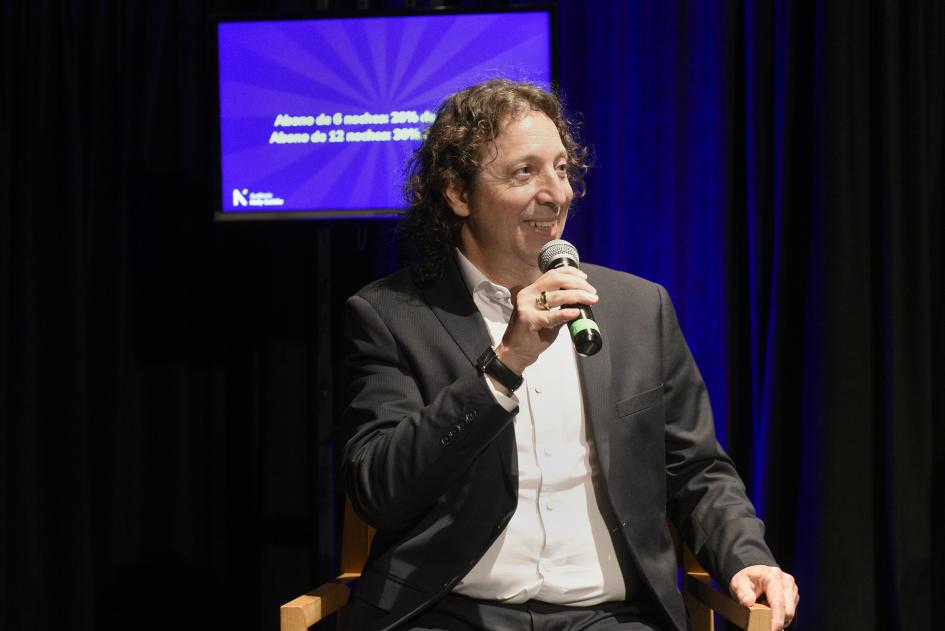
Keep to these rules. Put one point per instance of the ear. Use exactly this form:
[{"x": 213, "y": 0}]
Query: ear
[{"x": 456, "y": 197}]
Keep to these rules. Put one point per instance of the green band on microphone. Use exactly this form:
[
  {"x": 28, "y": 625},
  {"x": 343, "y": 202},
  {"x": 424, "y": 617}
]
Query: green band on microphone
[{"x": 583, "y": 323}]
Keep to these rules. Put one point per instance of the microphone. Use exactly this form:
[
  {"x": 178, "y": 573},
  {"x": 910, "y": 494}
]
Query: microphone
[{"x": 584, "y": 330}]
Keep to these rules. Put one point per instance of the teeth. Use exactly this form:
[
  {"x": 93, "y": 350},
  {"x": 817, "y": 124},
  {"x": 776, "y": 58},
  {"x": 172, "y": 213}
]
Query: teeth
[{"x": 544, "y": 224}]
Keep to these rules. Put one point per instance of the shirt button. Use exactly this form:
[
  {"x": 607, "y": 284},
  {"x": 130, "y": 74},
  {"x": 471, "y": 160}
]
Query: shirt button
[
  {"x": 549, "y": 506},
  {"x": 547, "y": 451},
  {"x": 498, "y": 294},
  {"x": 538, "y": 389}
]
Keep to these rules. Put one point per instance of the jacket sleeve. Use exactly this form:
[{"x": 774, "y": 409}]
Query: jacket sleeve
[
  {"x": 406, "y": 451},
  {"x": 706, "y": 498}
]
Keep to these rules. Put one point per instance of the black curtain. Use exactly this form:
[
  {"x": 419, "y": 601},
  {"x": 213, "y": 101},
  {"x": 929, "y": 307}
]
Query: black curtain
[
  {"x": 164, "y": 384},
  {"x": 164, "y": 381}
]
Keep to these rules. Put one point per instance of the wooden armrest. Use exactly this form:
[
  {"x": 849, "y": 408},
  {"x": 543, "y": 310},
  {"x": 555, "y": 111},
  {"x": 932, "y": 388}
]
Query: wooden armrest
[
  {"x": 698, "y": 585},
  {"x": 302, "y": 612}
]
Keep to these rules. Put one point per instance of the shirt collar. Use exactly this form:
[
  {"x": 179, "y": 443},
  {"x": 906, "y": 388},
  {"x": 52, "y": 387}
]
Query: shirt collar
[{"x": 478, "y": 284}]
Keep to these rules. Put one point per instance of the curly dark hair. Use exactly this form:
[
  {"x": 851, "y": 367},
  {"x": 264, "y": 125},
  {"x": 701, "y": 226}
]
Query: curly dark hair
[{"x": 465, "y": 123}]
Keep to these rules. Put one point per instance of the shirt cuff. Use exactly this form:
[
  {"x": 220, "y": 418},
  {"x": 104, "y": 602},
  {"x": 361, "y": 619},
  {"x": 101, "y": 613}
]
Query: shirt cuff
[{"x": 509, "y": 403}]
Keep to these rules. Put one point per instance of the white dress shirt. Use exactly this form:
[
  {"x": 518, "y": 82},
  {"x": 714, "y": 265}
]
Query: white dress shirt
[{"x": 556, "y": 547}]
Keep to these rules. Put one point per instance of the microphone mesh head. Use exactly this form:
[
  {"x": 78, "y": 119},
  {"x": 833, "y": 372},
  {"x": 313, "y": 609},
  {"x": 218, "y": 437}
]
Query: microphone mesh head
[{"x": 554, "y": 250}]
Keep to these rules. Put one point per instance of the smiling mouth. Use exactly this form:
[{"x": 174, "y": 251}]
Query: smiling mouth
[{"x": 546, "y": 227}]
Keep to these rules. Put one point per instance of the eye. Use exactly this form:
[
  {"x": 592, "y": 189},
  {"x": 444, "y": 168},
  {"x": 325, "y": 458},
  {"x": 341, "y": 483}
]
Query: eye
[
  {"x": 523, "y": 170},
  {"x": 562, "y": 169}
]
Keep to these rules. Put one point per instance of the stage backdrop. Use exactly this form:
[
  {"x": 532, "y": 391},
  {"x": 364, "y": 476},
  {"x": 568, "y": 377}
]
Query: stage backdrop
[
  {"x": 168, "y": 386},
  {"x": 779, "y": 168}
]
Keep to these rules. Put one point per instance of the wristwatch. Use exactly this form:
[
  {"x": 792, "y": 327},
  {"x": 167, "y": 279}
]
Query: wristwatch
[{"x": 489, "y": 364}]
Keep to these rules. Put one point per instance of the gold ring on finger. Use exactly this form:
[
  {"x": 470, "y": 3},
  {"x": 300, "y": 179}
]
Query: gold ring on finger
[{"x": 543, "y": 300}]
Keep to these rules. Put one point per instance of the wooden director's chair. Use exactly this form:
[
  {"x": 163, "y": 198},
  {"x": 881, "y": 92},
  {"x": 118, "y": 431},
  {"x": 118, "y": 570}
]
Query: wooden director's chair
[{"x": 332, "y": 597}]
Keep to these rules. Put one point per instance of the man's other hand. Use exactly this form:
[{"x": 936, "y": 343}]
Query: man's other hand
[{"x": 777, "y": 587}]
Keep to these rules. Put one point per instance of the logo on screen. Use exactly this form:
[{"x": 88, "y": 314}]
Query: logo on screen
[
  {"x": 243, "y": 197},
  {"x": 239, "y": 197}
]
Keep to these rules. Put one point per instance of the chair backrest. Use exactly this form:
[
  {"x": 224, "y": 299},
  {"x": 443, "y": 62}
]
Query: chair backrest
[
  {"x": 355, "y": 542},
  {"x": 310, "y": 608}
]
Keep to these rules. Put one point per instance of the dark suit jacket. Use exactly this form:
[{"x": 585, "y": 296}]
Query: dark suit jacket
[{"x": 431, "y": 463}]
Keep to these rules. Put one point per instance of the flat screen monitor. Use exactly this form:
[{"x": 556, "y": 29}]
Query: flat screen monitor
[{"x": 317, "y": 117}]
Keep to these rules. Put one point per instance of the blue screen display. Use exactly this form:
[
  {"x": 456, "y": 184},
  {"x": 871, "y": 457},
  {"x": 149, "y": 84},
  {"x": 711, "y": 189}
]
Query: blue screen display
[{"x": 320, "y": 116}]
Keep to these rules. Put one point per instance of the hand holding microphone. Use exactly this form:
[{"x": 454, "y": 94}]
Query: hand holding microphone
[
  {"x": 585, "y": 333},
  {"x": 535, "y": 321}
]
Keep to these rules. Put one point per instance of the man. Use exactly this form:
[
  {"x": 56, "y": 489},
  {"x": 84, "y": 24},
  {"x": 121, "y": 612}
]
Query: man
[{"x": 512, "y": 483}]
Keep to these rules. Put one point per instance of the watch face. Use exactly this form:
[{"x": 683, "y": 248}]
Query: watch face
[
  {"x": 485, "y": 359},
  {"x": 489, "y": 363}
]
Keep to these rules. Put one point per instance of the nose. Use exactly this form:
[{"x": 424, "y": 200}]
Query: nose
[{"x": 554, "y": 190}]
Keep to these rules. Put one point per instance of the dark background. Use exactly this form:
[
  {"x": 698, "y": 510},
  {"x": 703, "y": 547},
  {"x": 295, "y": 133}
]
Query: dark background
[{"x": 168, "y": 385}]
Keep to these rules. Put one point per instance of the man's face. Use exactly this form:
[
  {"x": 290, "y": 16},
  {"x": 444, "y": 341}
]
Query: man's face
[{"x": 519, "y": 202}]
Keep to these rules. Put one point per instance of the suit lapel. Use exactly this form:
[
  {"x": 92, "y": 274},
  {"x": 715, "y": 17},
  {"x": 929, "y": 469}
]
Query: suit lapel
[
  {"x": 450, "y": 301},
  {"x": 454, "y": 308},
  {"x": 595, "y": 377}
]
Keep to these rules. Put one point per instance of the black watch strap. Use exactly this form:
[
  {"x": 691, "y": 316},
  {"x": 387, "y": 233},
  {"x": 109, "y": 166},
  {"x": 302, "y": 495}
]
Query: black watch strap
[{"x": 489, "y": 364}]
